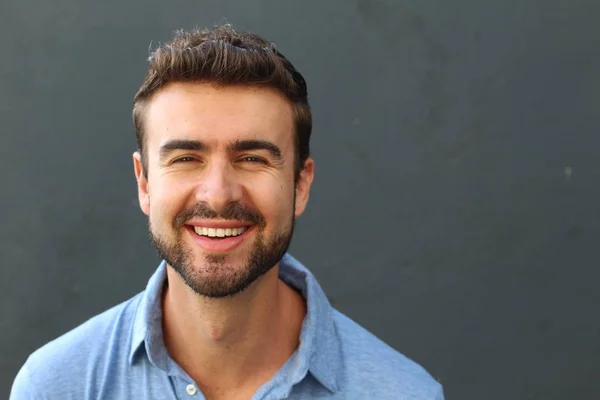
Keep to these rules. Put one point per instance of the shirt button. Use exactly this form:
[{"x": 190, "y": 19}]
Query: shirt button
[{"x": 190, "y": 389}]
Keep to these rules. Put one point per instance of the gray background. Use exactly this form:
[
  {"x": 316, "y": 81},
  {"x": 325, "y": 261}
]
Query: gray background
[{"x": 454, "y": 208}]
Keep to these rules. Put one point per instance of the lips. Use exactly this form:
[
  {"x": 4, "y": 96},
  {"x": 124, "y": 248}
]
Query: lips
[
  {"x": 218, "y": 232},
  {"x": 219, "y": 239}
]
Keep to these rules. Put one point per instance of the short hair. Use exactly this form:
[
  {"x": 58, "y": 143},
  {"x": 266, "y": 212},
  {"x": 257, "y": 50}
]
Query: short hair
[{"x": 224, "y": 56}]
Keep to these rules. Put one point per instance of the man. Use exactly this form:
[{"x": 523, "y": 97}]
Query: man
[{"x": 223, "y": 170}]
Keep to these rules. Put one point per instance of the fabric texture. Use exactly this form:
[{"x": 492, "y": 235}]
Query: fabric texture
[{"x": 120, "y": 354}]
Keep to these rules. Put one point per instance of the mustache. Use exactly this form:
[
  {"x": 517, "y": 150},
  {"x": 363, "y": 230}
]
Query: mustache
[{"x": 233, "y": 211}]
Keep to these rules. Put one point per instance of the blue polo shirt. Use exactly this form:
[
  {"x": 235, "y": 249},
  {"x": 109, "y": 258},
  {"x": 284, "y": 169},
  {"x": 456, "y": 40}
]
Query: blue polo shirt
[{"x": 120, "y": 354}]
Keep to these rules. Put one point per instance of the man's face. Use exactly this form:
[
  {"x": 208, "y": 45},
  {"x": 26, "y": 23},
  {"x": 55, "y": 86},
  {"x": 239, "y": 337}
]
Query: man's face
[{"x": 220, "y": 193}]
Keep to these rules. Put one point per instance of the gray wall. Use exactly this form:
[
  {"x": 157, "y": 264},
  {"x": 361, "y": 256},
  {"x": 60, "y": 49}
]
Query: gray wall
[{"x": 454, "y": 212}]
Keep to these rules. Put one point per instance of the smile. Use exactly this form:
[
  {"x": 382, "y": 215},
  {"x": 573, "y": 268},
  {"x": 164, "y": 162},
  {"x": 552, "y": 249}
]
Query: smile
[
  {"x": 219, "y": 237},
  {"x": 219, "y": 232}
]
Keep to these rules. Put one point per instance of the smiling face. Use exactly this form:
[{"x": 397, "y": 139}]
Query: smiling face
[{"x": 219, "y": 190}]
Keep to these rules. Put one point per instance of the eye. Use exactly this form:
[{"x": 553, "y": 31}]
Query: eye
[
  {"x": 253, "y": 160},
  {"x": 183, "y": 159}
]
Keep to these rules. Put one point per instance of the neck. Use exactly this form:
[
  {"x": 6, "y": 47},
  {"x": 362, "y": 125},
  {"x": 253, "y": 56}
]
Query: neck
[{"x": 234, "y": 342}]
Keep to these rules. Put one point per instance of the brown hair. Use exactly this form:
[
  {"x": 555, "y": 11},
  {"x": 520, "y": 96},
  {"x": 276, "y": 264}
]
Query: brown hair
[{"x": 224, "y": 57}]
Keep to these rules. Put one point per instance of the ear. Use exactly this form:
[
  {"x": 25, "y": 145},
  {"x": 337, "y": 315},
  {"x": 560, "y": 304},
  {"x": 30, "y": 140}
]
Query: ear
[
  {"x": 303, "y": 186},
  {"x": 142, "y": 183}
]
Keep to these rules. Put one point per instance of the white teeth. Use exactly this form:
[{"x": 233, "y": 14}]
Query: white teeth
[
  {"x": 219, "y": 232},
  {"x": 237, "y": 231}
]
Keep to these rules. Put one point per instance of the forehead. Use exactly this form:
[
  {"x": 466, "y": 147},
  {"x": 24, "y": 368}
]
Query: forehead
[{"x": 218, "y": 115}]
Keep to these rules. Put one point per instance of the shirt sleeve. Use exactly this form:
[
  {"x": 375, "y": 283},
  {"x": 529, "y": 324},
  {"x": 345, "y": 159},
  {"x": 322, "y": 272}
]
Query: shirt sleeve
[
  {"x": 440, "y": 393},
  {"x": 22, "y": 388}
]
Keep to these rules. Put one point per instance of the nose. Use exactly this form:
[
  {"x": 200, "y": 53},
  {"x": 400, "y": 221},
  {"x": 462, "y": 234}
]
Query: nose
[{"x": 219, "y": 186}]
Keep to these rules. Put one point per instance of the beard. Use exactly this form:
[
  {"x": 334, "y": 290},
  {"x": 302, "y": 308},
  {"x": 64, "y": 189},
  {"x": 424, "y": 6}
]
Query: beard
[{"x": 216, "y": 277}]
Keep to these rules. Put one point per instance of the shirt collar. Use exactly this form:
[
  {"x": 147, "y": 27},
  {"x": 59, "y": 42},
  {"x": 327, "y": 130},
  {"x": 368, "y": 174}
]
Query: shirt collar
[
  {"x": 319, "y": 350},
  {"x": 147, "y": 324},
  {"x": 319, "y": 343}
]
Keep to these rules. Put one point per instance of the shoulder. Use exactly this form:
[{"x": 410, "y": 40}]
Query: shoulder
[
  {"x": 67, "y": 363},
  {"x": 90, "y": 340},
  {"x": 367, "y": 359}
]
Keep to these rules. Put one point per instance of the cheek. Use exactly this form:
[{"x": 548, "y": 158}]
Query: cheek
[
  {"x": 167, "y": 199},
  {"x": 274, "y": 201}
]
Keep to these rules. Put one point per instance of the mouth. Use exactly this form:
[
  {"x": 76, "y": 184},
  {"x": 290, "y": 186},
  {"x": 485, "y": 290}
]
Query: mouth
[
  {"x": 212, "y": 239},
  {"x": 219, "y": 233}
]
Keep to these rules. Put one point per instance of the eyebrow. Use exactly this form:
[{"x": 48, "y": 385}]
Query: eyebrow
[
  {"x": 237, "y": 146},
  {"x": 180, "y": 144},
  {"x": 243, "y": 145}
]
